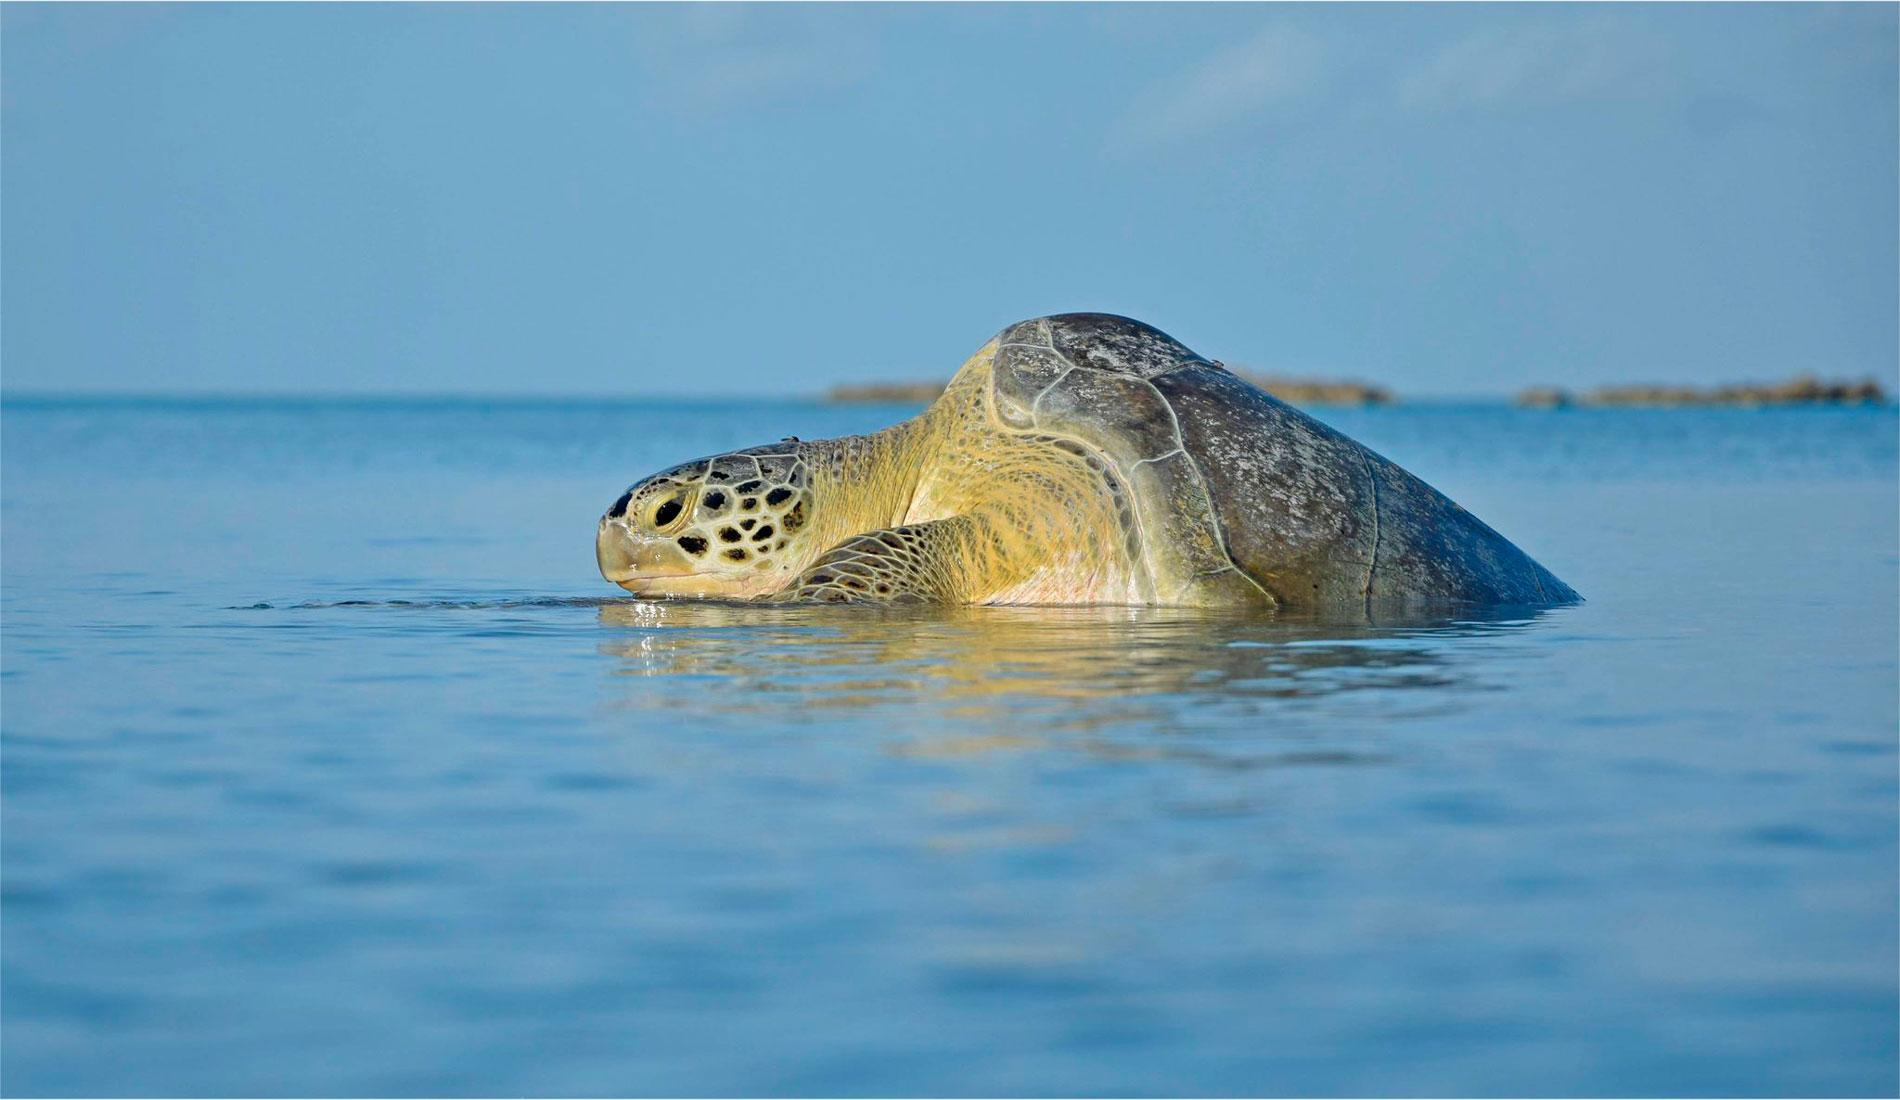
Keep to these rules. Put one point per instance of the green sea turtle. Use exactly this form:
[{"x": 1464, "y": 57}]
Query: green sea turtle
[{"x": 1078, "y": 459}]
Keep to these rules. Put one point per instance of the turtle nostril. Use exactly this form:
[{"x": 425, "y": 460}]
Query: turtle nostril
[{"x": 610, "y": 549}]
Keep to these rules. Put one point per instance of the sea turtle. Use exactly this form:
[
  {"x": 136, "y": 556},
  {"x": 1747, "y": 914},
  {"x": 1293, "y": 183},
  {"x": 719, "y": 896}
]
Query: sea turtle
[{"x": 1083, "y": 458}]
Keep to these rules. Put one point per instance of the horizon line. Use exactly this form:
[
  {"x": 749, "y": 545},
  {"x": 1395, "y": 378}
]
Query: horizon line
[{"x": 8, "y": 394}]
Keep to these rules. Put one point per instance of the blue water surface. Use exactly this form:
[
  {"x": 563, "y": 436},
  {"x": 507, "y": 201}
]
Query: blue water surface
[{"x": 330, "y": 766}]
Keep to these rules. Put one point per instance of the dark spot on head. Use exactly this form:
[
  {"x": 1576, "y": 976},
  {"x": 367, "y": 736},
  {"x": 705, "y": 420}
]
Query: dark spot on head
[
  {"x": 795, "y": 518},
  {"x": 667, "y": 513},
  {"x": 620, "y": 506},
  {"x": 736, "y": 554},
  {"x": 752, "y": 486},
  {"x": 778, "y": 496},
  {"x": 720, "y": 475},
  {"x": 762, "y": 533},
  {"x": 779, "y": 545},
  {"x": 727, "y": 534},
  {"x": 692, "y": 544},
  {"x": 749, "y": 503},
  {"x": 747, "y": 524},
  {"x": 715, "y": 499}
]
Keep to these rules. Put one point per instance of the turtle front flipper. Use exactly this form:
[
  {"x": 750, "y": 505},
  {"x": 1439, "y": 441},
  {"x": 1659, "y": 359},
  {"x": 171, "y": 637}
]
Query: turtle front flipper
[{"x": 956, "y": 560}]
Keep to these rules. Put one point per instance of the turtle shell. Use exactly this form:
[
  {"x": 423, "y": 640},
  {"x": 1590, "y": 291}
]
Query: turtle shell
[{"x": 1235, "y": 486}]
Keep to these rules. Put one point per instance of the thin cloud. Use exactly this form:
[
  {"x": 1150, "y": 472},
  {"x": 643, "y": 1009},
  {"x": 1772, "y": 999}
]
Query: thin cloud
[
  {"x": 1277, "y": 66},
  {"x": 722, "y": 57},
  {"x": 1507, "y": 67}
]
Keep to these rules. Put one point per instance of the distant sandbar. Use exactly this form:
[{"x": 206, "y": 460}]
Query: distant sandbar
[{"x": 1805, "y": 389}]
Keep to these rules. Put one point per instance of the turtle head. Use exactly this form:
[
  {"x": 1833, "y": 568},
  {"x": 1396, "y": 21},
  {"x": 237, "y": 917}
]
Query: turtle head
[{"x": 735, "y": 525}]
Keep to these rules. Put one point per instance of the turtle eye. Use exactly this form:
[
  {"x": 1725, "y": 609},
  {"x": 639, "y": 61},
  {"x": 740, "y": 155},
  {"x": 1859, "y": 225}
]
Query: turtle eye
[{"x": 666, "y": 512}]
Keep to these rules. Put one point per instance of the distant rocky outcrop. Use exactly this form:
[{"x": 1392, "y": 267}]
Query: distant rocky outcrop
[
  {"x": 1317, "y": 391},
  {"x": 1545, "y": 397},
  {"x": 885, "y": 393},
  {"x": 1805, "y": 389}
]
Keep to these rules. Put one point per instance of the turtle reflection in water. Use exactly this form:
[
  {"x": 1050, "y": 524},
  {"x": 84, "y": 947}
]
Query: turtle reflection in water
[
  {"x": 1076, "y": 459},
  {"x": 997, "y": 674}
]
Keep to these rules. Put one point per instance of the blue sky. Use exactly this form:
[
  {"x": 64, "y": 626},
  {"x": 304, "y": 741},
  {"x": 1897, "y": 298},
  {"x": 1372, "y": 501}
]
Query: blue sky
[{"x": 598, "y": 199}]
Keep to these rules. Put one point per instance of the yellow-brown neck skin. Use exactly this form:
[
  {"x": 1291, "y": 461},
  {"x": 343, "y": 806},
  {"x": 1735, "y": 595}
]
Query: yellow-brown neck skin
[
  {"x": 865, "y": 483},
  {"x": 1059, "y": 535},
  {"x": 1054, "y": 529}
]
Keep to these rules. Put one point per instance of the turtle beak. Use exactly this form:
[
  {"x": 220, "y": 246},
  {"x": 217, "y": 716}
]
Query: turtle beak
[{"x": 633, "y": 561}]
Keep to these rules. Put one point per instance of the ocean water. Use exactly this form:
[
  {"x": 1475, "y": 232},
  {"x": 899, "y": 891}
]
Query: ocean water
[{"x": 330, "y": 766}]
